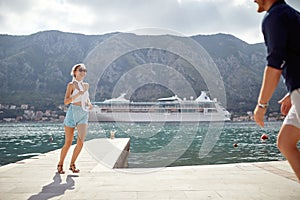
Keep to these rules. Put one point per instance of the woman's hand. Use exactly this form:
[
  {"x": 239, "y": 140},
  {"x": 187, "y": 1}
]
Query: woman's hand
[
  {"x": 90, "y": 106},
  {"x": 286, "y": 104},
  {"x": 81, "y": 92}
]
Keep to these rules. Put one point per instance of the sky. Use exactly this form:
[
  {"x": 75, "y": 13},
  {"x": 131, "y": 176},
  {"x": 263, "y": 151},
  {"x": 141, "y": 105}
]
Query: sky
[{"x": 97, "y": 17}]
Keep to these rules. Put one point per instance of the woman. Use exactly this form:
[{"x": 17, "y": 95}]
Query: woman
[{"x": 77, "y": 115}]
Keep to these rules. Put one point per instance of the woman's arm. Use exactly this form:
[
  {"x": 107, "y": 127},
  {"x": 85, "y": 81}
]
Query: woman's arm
[
  {"x": 68, "y": 96},
  {"x": 68, "y": 99},
  {"x": 88, "y": 100}
]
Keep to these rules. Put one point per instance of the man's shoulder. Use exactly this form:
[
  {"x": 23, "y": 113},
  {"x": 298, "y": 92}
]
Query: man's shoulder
[
  {"x": 281, "y": 13},
  {"x": 282, "y": 9}
]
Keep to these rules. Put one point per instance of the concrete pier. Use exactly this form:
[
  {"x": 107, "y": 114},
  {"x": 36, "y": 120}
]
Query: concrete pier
[
  {"x": 112, "y": 153},
  {"x": 36, "y": 178}
]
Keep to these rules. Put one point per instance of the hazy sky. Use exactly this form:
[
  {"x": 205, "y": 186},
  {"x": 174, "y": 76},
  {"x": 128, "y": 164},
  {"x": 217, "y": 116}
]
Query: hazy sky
[{"x": 188, "y": 17}]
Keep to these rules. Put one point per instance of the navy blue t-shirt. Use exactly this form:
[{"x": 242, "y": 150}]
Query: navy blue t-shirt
[{"x": 281, "y": 29}]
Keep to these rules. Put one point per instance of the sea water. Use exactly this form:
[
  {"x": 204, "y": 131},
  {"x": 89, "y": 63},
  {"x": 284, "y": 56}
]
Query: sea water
[{"x": 152, "y": 144}]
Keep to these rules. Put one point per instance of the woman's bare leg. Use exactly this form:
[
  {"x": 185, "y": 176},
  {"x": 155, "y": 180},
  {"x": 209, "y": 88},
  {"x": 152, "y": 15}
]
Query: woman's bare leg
[
  {"x": 69, "y": 134},
  {"x": 82, "y": 130},
  {"x": 287, "y": 141}
]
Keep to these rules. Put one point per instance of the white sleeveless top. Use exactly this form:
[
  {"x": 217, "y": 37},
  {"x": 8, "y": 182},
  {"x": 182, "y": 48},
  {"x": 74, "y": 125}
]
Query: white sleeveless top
[{"x": 82, "y": 98}]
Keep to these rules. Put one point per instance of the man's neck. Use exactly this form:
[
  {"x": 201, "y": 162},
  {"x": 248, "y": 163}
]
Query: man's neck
[{"x": 270, "y": 3}]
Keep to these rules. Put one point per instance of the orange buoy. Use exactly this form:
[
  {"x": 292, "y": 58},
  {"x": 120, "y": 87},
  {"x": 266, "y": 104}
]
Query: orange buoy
[
  {"x": 235, "y": 145},
  {"x": 264, "y": 137}
]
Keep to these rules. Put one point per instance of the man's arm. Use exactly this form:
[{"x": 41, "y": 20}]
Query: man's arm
[{"x": 270, "y": 81}]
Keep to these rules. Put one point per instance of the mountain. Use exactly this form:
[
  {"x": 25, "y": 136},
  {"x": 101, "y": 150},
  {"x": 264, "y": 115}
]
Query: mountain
[
  {"x": 241, "y": 66},
  {"x": 35, "y": 69}
]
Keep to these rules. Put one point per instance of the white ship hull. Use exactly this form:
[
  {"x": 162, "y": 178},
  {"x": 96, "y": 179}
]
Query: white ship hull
[
  {"x": 156, "y": 117},
  {"x": 170, "y": 109}
]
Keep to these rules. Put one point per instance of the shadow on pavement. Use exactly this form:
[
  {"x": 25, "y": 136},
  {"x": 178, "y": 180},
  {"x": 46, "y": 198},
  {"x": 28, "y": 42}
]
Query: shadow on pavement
[{"x": 56, "y": 188}]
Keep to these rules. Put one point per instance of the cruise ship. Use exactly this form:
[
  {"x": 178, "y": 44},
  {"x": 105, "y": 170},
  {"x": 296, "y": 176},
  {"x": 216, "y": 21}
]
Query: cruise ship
[{"x": 170, "y": 109}]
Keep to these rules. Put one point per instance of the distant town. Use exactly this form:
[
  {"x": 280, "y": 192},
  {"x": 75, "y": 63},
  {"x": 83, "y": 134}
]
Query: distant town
[
  {"x": 27, "y": 113},
  {"x": 273, "y": 116}
]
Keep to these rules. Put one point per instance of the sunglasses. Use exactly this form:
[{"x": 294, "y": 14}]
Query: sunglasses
[{"x": 82, "y": 70}]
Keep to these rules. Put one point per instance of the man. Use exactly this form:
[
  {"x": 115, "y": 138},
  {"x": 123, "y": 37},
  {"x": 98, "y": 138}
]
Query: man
[{"x": 281, "y": 30}]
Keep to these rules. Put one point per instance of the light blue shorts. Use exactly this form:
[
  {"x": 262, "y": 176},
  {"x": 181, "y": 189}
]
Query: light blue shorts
[
  {"x": 76, "y": 115},
  {"x": 293, "y": 117}
]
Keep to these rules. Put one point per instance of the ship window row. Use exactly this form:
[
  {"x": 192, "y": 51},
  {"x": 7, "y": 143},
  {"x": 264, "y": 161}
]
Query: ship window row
[
  {"x": 160, "y": 110},
  {"x": 160, "y": 105}
]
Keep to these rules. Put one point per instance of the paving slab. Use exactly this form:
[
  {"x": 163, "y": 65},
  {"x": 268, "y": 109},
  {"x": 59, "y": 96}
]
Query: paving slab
[{"x": 36, "y": 179}]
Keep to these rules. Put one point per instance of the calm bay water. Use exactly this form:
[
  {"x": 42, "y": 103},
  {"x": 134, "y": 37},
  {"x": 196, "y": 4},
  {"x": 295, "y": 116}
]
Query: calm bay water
[{"x": 180, "y": 144}]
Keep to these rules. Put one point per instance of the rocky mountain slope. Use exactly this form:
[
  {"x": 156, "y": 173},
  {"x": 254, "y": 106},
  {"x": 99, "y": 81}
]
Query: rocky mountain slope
[{"x": 35, "y": 68}]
